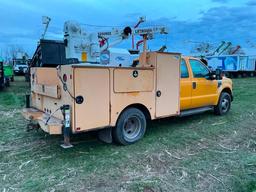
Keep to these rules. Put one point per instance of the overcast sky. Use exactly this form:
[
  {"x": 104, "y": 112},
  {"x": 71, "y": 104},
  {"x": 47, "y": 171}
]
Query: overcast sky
[{"x": 189, "y": 21}]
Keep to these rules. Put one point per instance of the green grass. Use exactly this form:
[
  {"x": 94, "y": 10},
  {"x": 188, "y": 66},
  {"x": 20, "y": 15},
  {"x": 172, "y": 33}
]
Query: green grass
[{"x": 197, "y": 153}]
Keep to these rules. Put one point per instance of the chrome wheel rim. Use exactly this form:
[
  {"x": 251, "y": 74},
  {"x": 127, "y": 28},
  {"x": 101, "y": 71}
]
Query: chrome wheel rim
[
  {"x": 224, "y": 105},
  {"x": 132, "y": 127}
]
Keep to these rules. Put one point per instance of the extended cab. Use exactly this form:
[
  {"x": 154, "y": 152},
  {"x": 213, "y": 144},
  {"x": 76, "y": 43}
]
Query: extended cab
[{"x": 202, "y": 89}]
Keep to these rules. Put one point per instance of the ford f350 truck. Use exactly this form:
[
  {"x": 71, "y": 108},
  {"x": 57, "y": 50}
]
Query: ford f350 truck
[{"x": 119, "y": 101}]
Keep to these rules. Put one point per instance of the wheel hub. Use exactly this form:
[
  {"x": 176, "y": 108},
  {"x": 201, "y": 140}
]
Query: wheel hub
[
  {"x": 132, "y": 127},
  {"x": 224, "y": 104}
]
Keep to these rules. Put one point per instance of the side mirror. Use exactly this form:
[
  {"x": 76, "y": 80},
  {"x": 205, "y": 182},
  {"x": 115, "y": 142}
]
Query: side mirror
[
  {"x": 210, "y": 76},
  {"x": 218, "y": 73}
]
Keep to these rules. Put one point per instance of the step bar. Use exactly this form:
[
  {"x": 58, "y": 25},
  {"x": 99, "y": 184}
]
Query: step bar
[{"x": 195, "y": 111}]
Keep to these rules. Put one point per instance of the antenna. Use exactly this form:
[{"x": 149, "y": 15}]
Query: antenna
[{"x": 45, "y": 21}]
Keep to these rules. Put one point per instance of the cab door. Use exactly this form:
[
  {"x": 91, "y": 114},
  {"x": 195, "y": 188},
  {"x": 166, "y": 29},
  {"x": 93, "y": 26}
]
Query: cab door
[
  {"x": 204, "y": 90},
  {"x": 185, "y": 86}
]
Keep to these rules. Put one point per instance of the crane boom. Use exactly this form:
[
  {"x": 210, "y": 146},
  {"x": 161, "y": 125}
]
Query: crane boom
[
  {"x": 87, "y": 46},
  {"x": 134, "y": 31},
  {"x": 225, "y": 48},
  {"x": 218, "y": 48}
]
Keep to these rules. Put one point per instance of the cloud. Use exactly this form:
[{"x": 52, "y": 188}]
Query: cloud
[
  {"x": 220, "y": 1},
  {"x": 235, "y": 24},
  {"x": 198, "y": 22},
  {"x": 251, "y": 3}
]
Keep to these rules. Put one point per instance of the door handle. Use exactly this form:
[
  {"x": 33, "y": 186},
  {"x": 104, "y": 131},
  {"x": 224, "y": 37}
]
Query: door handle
[{"x": 194, "y": 85}]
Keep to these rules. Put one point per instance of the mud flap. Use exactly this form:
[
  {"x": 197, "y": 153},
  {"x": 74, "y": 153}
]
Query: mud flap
[{"x": 105, "y": 135}]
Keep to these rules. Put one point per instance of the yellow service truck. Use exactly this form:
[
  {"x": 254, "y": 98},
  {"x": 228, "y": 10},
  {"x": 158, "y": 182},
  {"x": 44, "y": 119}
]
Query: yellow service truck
[{"x": 119, "y": 101}]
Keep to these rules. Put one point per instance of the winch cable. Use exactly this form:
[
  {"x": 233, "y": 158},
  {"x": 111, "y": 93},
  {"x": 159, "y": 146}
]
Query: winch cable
[
  {"x": 65, "y": 87},
  {"x": 46, "y": 123}
]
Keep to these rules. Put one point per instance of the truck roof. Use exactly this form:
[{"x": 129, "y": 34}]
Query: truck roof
[{"x": 189, "y": 57}]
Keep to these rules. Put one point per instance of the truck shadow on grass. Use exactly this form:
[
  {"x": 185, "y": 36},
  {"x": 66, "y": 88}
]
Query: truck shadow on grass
[{"x": 156, "y": 128}]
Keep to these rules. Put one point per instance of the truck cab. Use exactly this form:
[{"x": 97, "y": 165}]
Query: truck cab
[
  {"x": 20, "y": 66},
  {"x": 200, "y": 90}
]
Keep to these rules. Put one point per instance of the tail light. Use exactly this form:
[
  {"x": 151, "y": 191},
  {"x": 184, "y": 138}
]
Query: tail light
[{"x": 65, "y": 78}]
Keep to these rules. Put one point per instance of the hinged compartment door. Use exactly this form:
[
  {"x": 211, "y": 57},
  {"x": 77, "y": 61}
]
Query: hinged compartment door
[
  {"x": 93, "y": 85},
  {"x": 167, "y": 84}
]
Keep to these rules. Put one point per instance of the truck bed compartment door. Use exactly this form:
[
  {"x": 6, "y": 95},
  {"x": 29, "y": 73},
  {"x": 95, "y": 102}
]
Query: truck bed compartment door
[
  {"x": 167, "y": 85},
  {"x": 93, "y": 85}
]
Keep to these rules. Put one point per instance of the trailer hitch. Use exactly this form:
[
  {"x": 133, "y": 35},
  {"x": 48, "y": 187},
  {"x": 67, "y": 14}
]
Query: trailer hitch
[{"x": 32, "y": 125}]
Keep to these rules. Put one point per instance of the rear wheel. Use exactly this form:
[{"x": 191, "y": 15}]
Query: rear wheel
[
  {"x": 224, "y": 104},
  {"x": 7, "y": 84},
  {"x": 130, "y": 127}
]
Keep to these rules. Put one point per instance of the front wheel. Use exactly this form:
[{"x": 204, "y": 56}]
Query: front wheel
[
  {"x": 130, "y": 127},
  {"x": 224, "y": 104}
]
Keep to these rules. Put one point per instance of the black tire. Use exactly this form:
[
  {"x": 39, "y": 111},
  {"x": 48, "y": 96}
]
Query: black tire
[
  {"x": 224, "y": 104},
  {"x": 227, "y": 74},
  {"x": 7, "y": 83},
  {"x": 130, "y": 127}
]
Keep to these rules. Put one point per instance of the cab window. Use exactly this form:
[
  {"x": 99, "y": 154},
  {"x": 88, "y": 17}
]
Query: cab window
[
  {"x": 183, "y": 69},
  {"x": 199, "y": 69}
]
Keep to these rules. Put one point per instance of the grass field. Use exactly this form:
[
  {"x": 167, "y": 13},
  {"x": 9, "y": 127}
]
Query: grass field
[{"x": 197, "y": 153}]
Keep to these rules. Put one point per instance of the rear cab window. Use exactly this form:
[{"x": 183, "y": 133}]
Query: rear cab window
[{"x": 183, "y": 69}]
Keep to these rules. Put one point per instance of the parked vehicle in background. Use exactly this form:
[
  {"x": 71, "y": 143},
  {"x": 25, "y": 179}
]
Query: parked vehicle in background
[
  {"x": 20, "y": 66},
  {"x": 8, "y": 72},
  {"x": 27, "y": 73},
  {"x": 233, "y": 65},
  {"x": 1, "y": 74},
  {"x": 4, "y": 81}
]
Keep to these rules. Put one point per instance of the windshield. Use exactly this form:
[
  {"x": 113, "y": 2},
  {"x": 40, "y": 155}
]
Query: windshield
[{"x": 20, "y": 62}]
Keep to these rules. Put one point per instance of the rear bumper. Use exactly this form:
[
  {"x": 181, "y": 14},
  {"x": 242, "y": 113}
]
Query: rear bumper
[{"x": 53, "y": 126}]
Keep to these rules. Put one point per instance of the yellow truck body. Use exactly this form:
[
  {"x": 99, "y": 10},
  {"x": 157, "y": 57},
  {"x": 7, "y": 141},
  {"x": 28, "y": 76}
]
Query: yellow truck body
[{"x": 103, "y": 96}]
